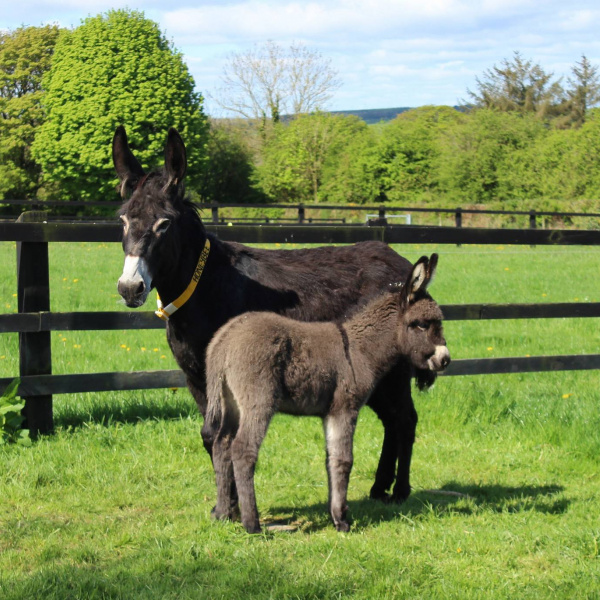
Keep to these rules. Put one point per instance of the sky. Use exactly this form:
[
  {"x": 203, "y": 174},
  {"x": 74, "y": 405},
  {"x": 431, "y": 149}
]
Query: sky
[{"x": 388, "y": 53}]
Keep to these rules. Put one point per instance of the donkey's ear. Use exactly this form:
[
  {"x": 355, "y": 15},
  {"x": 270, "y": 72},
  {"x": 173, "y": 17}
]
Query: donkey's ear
[
  {"x": 128, "y": 168},
  {"x": 417, "y": 280},
  {"x": 175, "y": 159}
]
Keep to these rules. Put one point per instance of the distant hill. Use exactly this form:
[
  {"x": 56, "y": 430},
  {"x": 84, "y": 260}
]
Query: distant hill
[{"x": 374, "y": 115}]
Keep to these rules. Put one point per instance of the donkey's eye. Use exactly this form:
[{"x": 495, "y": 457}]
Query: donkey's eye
[
  {"x": 420, "y": 325},
  {"x": 125, "y": 222},
  {"x": 161, "y": 226}
]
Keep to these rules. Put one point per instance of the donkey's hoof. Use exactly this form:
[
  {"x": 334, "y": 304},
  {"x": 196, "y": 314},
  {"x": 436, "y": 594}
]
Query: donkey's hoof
[
  {"x": 379, "y": 494},
  {"x": 400, "y": 496}
]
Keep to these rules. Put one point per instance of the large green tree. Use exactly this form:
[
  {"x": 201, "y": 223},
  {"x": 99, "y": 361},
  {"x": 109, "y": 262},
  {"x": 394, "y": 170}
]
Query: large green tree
[
  {"x": 115, "y": 68},
  {"x": 25, "y": 55}
]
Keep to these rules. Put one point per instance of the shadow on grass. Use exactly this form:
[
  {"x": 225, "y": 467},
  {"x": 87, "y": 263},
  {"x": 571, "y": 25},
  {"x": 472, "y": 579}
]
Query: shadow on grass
[
  {"x": 131, "y": 410},
  {"x": 451, "y": 499}
]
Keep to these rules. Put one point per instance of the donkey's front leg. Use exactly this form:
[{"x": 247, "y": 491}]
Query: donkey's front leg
[{"x": 339, "y": 433}]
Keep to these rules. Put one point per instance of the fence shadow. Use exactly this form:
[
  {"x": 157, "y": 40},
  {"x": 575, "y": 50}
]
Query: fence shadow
[
  {"x": 451, "y": 499},
  {"x": 135, "y": 409}
]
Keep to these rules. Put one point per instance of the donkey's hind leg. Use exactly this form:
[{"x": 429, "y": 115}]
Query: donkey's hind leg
[
  {"x": 393, "y": 404},
  {"x": 339, "y": 434},
  {"x": 244, "y": 452}
]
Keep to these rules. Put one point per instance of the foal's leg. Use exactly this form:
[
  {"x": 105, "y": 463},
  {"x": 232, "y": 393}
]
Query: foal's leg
[
  {"x": 244, "y": 452},
  {"x": 339, "y": 433},
  {"x": 227, "y": 503}
]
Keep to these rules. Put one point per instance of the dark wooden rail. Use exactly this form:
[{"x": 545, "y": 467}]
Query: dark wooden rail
[{"x": 34, "y": 322}]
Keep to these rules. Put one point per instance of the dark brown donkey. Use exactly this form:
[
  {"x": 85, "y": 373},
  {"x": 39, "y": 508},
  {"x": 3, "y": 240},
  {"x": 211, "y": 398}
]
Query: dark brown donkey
[
  {"x": 262, "y": 363},
  {"x": 167, "y": 248}
]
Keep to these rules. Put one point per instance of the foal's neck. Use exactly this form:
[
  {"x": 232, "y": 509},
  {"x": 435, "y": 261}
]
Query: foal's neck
[{"x": 373, "y": 332}]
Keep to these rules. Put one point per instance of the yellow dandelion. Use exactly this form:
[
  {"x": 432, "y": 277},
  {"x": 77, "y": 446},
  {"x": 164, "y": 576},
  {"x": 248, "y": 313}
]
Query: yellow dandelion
[
  {"x": 565, "y": 396},
  {"x": 64, "y": 278},
  {"x": 2, "y": 357},
  {"x": 506, "y": 269},
  {"x": 163, "y": 356},
  {"x": 155, "y": 350},
  {"x": 14, "y": 295},
  {"x": 544, "y": 295},
  {"x": 490, "y": 348},
  {"x": 143, "y": 349},
  {"x": 459, "y": 550},
  {"x": 75, "y": 280}
]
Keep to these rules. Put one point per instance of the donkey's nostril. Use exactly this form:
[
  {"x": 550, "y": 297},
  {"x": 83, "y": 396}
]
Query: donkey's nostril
[{"x": 140, "y": 288}]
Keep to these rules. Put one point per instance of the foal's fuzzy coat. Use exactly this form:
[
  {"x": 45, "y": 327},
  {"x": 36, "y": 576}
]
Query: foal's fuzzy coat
[{"x": 262, "y": 363}]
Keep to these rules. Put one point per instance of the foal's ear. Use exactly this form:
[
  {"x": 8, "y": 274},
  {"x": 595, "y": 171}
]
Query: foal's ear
[
  {"x": 417, "y": 279},
  {"x": 175, "y": 158},
  {"x": 431, "y": 267},
  {"x": 126, "y": 164}
]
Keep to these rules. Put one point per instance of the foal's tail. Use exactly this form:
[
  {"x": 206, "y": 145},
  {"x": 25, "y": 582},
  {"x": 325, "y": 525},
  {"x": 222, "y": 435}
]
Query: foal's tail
[{"x": 222, "y": 414}]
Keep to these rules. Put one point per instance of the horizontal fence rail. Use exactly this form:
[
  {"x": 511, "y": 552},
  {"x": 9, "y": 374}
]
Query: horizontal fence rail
[
  {"x": 35, "y": 323},
  {"x": 314, "y": 234},
  {"x": 39, "y": 385},
  {"x": 103, "y": 321}
]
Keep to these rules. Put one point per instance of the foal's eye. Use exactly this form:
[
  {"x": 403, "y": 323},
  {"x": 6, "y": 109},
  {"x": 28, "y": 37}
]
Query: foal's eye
[
  {"x": 125, "y": 222},
  {"x": 421, "y": 325}
]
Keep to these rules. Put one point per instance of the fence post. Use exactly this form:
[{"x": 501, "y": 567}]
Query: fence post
[
  {"x": 215, "y": 214},
  {"x": 532, "y": 223},
  {"x": 300, "y": 214},
  {"x": 33, "y": 295},
  {"x": 458, "y": 220}
]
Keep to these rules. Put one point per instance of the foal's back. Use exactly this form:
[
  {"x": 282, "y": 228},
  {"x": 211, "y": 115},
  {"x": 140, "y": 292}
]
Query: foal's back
[{"x": 263, "y": 356}]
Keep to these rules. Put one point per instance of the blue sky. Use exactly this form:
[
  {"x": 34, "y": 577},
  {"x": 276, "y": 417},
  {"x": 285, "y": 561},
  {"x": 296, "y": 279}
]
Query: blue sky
[{"x": 388, "y": 53}]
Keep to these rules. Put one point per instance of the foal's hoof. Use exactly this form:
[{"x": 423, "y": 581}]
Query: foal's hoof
[
  {"x": 231, "y": 514},
  {"x": 343, "y": 526},
  {"x": 252, "y": 527}
]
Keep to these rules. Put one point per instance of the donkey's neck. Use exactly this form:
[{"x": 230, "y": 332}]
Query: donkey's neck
[
  {"x": 175, "y": 278},
  {"x": 373, "y": 334}
]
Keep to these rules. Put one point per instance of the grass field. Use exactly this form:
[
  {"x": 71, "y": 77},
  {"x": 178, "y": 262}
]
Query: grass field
[{"x": 117, "y": 503}]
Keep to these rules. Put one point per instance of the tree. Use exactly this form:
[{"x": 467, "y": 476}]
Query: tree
[
  {"x": 25, "y": 55},
  {"x": 297, "y": 154},
  {"x": 229, "y": 171},
  {"x": 477, "y": 156},
  {"x": 584, "y": 91},
  {"x": 269, "y": 81},
  {"x": 115, "y": 68},
  {"x": 519, "y": 86}
]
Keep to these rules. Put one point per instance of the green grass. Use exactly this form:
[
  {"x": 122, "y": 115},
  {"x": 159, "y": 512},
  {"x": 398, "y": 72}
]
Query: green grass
[{"x": 117, "y": 503}]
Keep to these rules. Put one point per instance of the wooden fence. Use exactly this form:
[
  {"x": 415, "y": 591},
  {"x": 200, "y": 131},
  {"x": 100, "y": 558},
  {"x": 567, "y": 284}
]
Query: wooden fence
[{"x": 34, "y": 321}]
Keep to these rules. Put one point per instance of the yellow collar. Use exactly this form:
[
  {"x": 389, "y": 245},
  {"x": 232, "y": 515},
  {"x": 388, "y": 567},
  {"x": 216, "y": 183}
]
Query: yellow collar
[{"x": 164, "y": 312}]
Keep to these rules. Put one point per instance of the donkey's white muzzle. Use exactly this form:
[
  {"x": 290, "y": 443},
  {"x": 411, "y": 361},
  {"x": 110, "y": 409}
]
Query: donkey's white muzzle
[{"x": 135, "y": 283}]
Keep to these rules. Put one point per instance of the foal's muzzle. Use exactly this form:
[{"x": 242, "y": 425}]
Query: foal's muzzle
[{"x": 440, "y": 359}]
